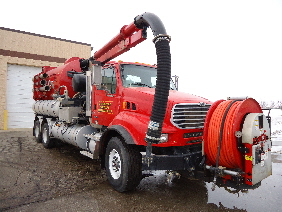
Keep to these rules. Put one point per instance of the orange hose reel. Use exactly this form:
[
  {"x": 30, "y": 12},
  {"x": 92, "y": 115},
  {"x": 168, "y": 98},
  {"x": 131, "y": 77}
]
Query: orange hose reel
[{"x": 223, "y": 120}]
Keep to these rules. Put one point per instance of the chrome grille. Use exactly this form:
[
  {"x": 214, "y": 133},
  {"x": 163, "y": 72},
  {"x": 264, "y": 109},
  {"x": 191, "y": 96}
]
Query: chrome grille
[{"x": 189, "y": 115}]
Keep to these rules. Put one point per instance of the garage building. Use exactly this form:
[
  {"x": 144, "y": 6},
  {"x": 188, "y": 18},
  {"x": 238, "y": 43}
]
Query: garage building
[{"x": 22, "y": 54}]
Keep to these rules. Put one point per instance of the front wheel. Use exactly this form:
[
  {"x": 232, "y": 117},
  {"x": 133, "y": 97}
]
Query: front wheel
[
  {"x": 123, "y": 165},
  {"x": 46, "y": 140}
]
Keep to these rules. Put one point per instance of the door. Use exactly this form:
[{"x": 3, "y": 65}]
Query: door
[
  {"x": 19, "y": 95},
  {"x": 106, "y": 100}
]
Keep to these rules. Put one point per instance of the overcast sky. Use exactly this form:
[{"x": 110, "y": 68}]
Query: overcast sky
[{"x": 219, "y": 48}]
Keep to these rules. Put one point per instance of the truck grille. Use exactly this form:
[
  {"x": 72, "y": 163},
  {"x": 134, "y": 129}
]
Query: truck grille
[{"x": 189, "y": 115}]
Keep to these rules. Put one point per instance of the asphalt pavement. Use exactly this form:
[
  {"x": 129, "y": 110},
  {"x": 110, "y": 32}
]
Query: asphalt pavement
[{"x": 61, "y": 179}]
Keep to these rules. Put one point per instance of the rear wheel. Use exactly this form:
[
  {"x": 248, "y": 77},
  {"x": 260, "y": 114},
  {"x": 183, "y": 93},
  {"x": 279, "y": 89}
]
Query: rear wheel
[
  {"x": 46, "y": 140},
  {"x": 37, "y": 131},
  {"x": 123, "y": 165}
]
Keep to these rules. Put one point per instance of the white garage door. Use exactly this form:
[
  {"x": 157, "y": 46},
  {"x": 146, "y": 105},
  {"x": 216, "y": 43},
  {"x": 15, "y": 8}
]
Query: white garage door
[{"x": 20, "y": 96}]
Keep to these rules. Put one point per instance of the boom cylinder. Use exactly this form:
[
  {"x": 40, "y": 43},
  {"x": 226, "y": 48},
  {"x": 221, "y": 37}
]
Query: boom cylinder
[{"x": 125, "y": 32}]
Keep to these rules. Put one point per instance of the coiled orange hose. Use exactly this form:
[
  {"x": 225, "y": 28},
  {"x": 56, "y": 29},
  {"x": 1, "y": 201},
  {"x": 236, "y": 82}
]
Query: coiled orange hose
[{"x": 229, "y": 156}]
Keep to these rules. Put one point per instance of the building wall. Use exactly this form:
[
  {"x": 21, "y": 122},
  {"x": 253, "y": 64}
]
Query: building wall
[
  {"x": 16, "y": 41},
  {"x": 22, "y": 48}
]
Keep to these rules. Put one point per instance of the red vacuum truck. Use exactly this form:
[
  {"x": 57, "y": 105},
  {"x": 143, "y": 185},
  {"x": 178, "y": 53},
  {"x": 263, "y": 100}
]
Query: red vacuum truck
[{"x": 131, "y": 117}]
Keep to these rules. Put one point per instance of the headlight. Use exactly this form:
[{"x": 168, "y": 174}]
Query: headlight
[{"x": 163, "y": 138}]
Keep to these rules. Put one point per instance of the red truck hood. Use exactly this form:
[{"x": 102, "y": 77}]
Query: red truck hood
[
  {"x": 144, "y": 93},
  {"x": 143, "y": 98}
]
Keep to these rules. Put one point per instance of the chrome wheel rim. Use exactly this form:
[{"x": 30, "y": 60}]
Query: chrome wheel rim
[
  {"x": 44, "y": 135},
  {"x": 115, "y": 164},
  {"x": 36, "y": 131}
]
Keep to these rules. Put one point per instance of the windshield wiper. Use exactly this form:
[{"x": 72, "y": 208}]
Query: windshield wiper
[{"x": 141, "y": 84}]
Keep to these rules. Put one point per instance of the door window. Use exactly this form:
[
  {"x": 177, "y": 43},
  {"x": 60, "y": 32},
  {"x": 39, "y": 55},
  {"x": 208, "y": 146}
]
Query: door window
[{"x": 109, "y": 82}]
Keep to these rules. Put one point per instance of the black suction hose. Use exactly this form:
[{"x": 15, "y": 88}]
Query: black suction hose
[{"x": 161, "y": 41}]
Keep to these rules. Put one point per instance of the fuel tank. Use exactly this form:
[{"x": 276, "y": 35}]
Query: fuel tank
[
  {"x": 47, "y": 107},
  {"x": 72, "y": 134}
]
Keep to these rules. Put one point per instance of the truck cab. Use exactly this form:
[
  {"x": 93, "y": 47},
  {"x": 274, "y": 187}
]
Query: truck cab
[{"x": 124, "y": 98}]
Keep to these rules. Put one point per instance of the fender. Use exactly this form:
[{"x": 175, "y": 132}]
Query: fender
[
  {"x": 135, "y": 125},
  {"x": 132, "y": 125},
  {"x": 123, "y": 132}
]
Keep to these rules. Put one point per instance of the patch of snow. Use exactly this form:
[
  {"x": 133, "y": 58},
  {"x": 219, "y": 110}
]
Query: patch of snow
[
  {"x": 276, "y": 149},
  {"x": 276, "y": 122}
]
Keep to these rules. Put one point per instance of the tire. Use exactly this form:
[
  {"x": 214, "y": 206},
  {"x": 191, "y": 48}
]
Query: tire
[
  {"x": 46, "y": 140},
  {"x": 37, "y": 131},
  {"x": 123, "y": 165}
]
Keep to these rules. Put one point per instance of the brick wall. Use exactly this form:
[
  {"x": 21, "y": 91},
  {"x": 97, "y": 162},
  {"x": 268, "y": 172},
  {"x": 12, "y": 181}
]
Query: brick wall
[{"x": 18, "y": 41}]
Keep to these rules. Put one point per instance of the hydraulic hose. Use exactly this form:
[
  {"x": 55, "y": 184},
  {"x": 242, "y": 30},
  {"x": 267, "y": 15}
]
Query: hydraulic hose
[{"x": 161, "y": 41}]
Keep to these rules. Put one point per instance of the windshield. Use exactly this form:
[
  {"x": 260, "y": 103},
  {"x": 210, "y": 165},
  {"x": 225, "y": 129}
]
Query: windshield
[{"x": 140, "y": 76}]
